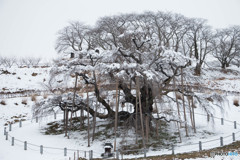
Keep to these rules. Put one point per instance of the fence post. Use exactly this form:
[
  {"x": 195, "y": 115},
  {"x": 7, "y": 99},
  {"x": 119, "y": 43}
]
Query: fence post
[
  {"x": 55, "y": 116},
  {"x": 233, "y": 136},
  {"x": 200, "y": 146},
  {"x": 222, "y": 121},
  {"x": 235, "y": 125},
  {"x": 172, "y": 149},
  {"x": 208, "y": 117},
  {"x": 85, "y": 154},
  {"x": 20, "y": 123},
  {"x": 145, "y": 154},
  {"x": 12, "y": 141},
  {"x": 25, "y": 145},
  {"x": 36, "y": 119},
  {"x": 10, "y": 127},
  {"x": 5, "y": 130},
  {"x": 92, "y": 154},
  {"x": 65, "y": 151},
  {"x": 41, "y": 149},
  {"x": 6, "y": 135},
  {"x": 221, "y": 141}
]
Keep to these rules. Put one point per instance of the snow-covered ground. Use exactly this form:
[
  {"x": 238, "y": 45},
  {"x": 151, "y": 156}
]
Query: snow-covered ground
[{"x": 208, "y": 133}]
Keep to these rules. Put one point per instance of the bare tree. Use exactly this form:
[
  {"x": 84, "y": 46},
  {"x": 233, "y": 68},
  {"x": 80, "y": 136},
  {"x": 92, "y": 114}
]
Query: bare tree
[
  {"x": 202, "y": 41},
  {"x": 227, "y": 45},
  {"x": 8, "y": 61}
]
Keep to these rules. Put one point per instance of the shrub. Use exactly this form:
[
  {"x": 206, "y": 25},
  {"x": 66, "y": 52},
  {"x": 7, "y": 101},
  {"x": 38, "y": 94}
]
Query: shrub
[
  {"x": 236, "y": 102},
  {"x": 3, "y": 102},
  {"x": 34, "y": 74}
]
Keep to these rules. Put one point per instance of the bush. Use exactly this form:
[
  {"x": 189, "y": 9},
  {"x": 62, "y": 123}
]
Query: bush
[{"x": 3, "y": 102}]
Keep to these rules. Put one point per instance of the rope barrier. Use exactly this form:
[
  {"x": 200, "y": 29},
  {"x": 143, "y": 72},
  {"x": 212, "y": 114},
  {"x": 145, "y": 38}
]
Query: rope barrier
[{"x": 122, "y": 151}]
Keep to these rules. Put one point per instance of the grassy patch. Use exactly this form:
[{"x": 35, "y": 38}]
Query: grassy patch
[{"x": 3, "y": 102}]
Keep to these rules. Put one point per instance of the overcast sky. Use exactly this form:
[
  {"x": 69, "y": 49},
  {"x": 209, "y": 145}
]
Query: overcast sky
[{"x": 29, "y": 27}]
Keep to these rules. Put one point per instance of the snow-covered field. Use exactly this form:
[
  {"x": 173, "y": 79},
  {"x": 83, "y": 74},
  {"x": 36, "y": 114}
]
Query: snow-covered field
[{"x": 208, "y": 133}]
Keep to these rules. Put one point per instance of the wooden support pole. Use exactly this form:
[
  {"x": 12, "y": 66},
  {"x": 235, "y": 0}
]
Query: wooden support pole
[
  {"x": 116, "y": 116},
  {"x": 193, "y": 114},
  {"x": 94, "y": 121},
  {"x": 136, "y": 113},
  {"x": 141, "y": 116},
  {"x": 88, "y": 129},
  {"x": 183, "y": 100}
]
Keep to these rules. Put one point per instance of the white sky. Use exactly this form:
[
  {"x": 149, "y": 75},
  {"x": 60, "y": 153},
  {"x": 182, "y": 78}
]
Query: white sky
[{"x": 29, "y": 27}]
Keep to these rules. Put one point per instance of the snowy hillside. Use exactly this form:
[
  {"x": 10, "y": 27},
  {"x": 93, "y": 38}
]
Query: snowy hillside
[{"x": 15, "y": 109}]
